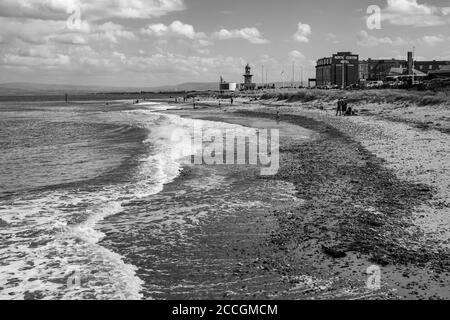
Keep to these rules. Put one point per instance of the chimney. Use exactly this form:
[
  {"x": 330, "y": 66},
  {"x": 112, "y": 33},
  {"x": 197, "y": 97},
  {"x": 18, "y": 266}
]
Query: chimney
[{"x": 410, "y": 63}]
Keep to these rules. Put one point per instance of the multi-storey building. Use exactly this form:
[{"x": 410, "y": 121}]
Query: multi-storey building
[{"x": 341, "y": 69}]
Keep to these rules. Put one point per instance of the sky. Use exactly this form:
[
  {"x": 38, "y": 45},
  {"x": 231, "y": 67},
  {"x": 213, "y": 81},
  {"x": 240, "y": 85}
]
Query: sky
[{"x": 145, "y": 43}]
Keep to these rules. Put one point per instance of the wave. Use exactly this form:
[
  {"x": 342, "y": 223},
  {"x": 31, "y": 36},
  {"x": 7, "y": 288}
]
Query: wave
[{"x": 52, "y": 238}]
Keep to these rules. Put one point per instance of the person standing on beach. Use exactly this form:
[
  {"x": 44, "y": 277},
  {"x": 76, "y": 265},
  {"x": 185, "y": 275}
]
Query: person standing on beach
[
  {"x": 232, "y": 100},
  {"x": 339, "y": 107}
]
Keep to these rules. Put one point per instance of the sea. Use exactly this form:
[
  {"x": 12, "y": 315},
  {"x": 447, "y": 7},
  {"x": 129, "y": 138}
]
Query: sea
[{"x": 73, "y": 177}]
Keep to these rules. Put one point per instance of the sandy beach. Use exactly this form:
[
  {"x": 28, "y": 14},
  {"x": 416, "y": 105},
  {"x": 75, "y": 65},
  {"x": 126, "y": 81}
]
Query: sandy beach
[
  {"x": 354, "y": 198},
  {"x": 353, "y": 192}
]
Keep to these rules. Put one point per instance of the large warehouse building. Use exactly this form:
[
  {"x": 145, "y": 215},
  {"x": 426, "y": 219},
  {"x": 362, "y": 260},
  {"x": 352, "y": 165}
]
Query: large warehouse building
[{"x": 342, "y": 70}]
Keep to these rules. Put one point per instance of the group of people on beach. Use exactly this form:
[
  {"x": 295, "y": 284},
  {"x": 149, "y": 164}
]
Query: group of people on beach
[{"x": 343, "y": 108}]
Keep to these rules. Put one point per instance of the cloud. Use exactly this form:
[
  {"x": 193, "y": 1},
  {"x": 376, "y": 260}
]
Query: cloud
[
  {"x": 411, "y": 13},
  {"x": 69, "y": 38},
  {"x": 37, "y": 31},
  {"x": 185, "y": 30},
  {"x": 303, "y": 32},
  {"x": 158, "y": 30},
  {"x": 332, "y": 38},
  {"x": 296, "y": 55},
  {"x": 252, "y": 35},
  {"x": 162, "y": 64},
  {"x": 366, "y": 40},
  {"x": 31, "y": 31},
  {"x": 112, "y": 32},
  {"x": 99, "y": 9},
  {"x": 176, "y": 28},
  {"x": 38, "y": 56},
  {"x": 433, "y": 40},
  {"x": 77, "y": 61}
]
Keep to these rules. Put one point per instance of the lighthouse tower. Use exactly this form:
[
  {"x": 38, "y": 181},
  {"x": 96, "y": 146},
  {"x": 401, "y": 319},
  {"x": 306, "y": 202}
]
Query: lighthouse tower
[{"x": 248, "y": 83}]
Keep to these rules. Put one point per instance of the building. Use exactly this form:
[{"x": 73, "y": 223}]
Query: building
[
  {"x": 331, "y": 72},
  {"x": 248, "y": 79},
  {"x": 227, "y": 86},
  {"x": 380, "y": 69},
  {"x": 428, "y": 66},
  {"x": 386, "y": 69},
  {"x": 341, "y": 69}
]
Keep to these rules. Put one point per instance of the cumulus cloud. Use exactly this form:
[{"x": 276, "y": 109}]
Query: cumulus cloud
[
  {"x": 99, "y": 9},
  {"x": 47, "y": 20},
  {"x": 252, "y": 35},
  {"x": 84, "y": 60},
  {"x": 433, "y": 40},
  {"x": 366, "y": 40},
  {"x": 303, "y": 32},
  {"x": 38, "y": 56},
  {"x": 332, "y": 38},
  {"x": 166, "y": 62},
  {"x": 176, "y": 28},
  {"x": 112, "y": 32},
  {"x": 296, "y": 55},
  {"x": 411, "y": 13},
  {"x": 160, "y": 64},
  {"x": 68, "y": 38},
  {"x": 37, "y": 31},
  {"x": 185, "y": 30},
  {"x": 31, "y": 31}
]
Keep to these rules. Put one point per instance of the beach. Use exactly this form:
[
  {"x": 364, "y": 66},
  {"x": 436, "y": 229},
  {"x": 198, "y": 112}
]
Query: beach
[
  {"x": 342, "y": 210},
  {"x": 359, "y": 206}
]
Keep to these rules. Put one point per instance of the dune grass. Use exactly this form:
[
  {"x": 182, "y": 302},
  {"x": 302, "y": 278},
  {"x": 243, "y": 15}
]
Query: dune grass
[{"x": 420, "y": 98}]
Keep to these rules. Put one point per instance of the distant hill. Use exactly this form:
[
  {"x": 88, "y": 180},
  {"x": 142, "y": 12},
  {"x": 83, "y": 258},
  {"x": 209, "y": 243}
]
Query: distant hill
[{"x": 25, "y": 88}]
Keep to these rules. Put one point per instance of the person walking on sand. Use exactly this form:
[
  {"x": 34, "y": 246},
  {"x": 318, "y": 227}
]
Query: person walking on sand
[{"x": 232, "y": 100}]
